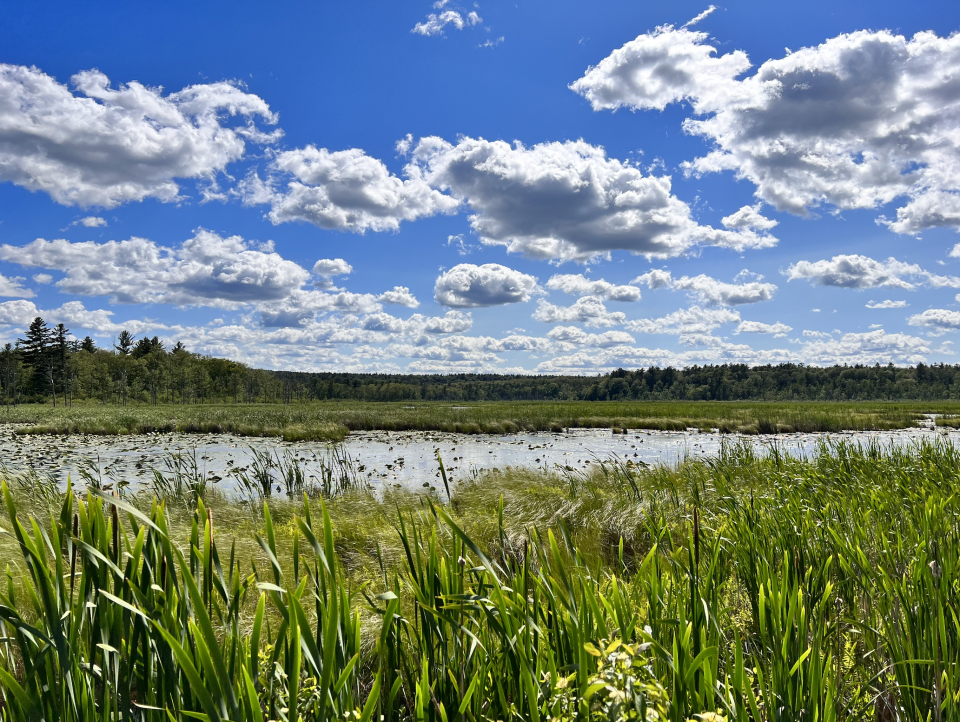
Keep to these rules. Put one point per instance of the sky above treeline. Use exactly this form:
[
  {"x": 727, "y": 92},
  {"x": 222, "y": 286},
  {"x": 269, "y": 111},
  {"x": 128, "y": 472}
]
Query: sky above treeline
[{"x": 524, "y": 187}]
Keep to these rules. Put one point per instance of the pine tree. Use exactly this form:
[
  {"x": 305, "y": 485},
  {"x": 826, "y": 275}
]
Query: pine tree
[
  {"x": 10, "y": 372},
  {"x": 123, "y": 346},
  {"x": 147, "y": 345},
  {"x": 38, "y": 339},
  {"x": 124, "y": 343},
  {"x": 36, "y": 355},
  {"x": 62, "y": 348}
]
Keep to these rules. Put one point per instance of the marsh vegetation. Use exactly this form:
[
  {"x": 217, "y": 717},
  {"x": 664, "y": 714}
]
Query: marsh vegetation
[
  {"x": 334, "y": 420},
  {"x": 754, "y": 586}
]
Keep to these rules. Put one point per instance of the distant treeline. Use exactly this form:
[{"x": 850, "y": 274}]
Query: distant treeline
[
  {"x": 727, "y": 382},
  {"x": 49, "y": 365}
]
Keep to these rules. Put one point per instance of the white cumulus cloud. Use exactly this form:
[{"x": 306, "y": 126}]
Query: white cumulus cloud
[
  {"x": 777, "y": 329},
  {"x": 693, "y": 320},
  {"x": 330, "y": 267},
  {"x": 90, "y": 222},
  {"x": 301, "y": 307},
  {"x": 856, "y": 271},
  {"x": 17, "y": 313},
  {"x": 658, "y": 68},
  {"x": 344, "y": 190},
  {"x": 588, "y": 310},
  {"x": 399, "y": 296},
  {"x": 469, "y": 286},
  {"x": 867, "y": 348},
  {"x": 13, "y": 287},
  {"x": 748, "y": 217},
  {"x": 579, "y": 337},
  {"x": 937, "y": 318},
  {"x": 326, "y": 269},
  {"x": 579, "y": 285},
  {"x": 655, "y": 279},
  {"x": 103, "y": 146},
  {"x": 206, "y": 270},
  {"x": 450, "y": 322},
  {"x": 567, "y": 201},
  {"x": 75, "y": 316},
  {"x": 711, "y": 292},
  {"x": 887, "y": 304},
  {"x": 861, "y": 120}
]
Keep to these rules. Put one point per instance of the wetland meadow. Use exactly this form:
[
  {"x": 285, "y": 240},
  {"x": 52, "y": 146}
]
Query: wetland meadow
[
  {"x": 361, "y": 363},
  {"x": 333, "y": 420},
  {"x": 591, "y": 561}
]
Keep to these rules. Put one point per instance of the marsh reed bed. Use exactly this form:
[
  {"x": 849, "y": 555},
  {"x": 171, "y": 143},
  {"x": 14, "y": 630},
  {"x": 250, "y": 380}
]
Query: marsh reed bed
[
  {"x": 332, "y": 421},
  {"x": 743, "y": 587}
]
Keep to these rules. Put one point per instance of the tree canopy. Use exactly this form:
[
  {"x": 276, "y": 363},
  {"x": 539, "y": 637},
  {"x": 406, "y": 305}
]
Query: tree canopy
[{"x": 49, "y": 365}]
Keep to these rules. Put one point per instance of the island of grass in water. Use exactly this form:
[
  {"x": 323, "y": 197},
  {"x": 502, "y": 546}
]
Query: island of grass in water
[{"x": 333, "y": 420}]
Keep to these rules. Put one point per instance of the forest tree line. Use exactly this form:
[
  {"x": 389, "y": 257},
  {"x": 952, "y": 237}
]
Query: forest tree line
[
  {"x": 51, "y": 366},
  {"x": 727, "y": 382}
]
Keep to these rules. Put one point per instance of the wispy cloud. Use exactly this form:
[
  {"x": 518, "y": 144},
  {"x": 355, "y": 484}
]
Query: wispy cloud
[
  {"x": 702, "y": 16},
  {"x": 436, "y": 23}
]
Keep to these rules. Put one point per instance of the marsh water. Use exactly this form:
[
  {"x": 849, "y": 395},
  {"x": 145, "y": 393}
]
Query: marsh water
[{"x": 392, "y": 458}]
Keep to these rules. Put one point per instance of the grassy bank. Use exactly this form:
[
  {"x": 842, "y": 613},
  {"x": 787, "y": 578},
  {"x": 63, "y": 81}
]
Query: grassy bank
[
  {"x": 333, "y": 420},
  {"x": 756, "y": 587}
]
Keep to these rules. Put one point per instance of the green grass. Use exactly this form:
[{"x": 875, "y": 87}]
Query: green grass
[
  {"x": 761, "y": 587},
  {"x": 333, "y": 420}
]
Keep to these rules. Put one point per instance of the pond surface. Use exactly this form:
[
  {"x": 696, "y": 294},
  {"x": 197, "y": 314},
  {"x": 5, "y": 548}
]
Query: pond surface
[{"x": 393, "y": 458}]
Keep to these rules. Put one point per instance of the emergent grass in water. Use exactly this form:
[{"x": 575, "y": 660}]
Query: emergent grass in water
[{"x": 331, "y": 421}]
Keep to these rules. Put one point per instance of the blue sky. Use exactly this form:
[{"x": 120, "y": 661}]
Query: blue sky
[{"x": 517, "y": 187}]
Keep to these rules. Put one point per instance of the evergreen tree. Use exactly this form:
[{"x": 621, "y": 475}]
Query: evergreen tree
[
  {"x": 124, "y": 343},
  {"x": 37, "y": 342},
  {"x": 61, "y": 348},
  {"x": 123, "y": 346},
  {"x": 11, "y": 371},
  {"x": 146, "y": 346},
  {"x": 37, "y": 356}
]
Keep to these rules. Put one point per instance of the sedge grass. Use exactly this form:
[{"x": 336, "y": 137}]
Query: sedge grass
[
  {"x": 754, "y": 586},
  {"x": 333, "y": 420}
]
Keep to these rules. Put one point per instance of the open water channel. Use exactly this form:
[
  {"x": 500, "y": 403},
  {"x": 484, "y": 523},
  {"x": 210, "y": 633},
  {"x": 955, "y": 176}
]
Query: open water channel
[{"x": 393, "y": 458}]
